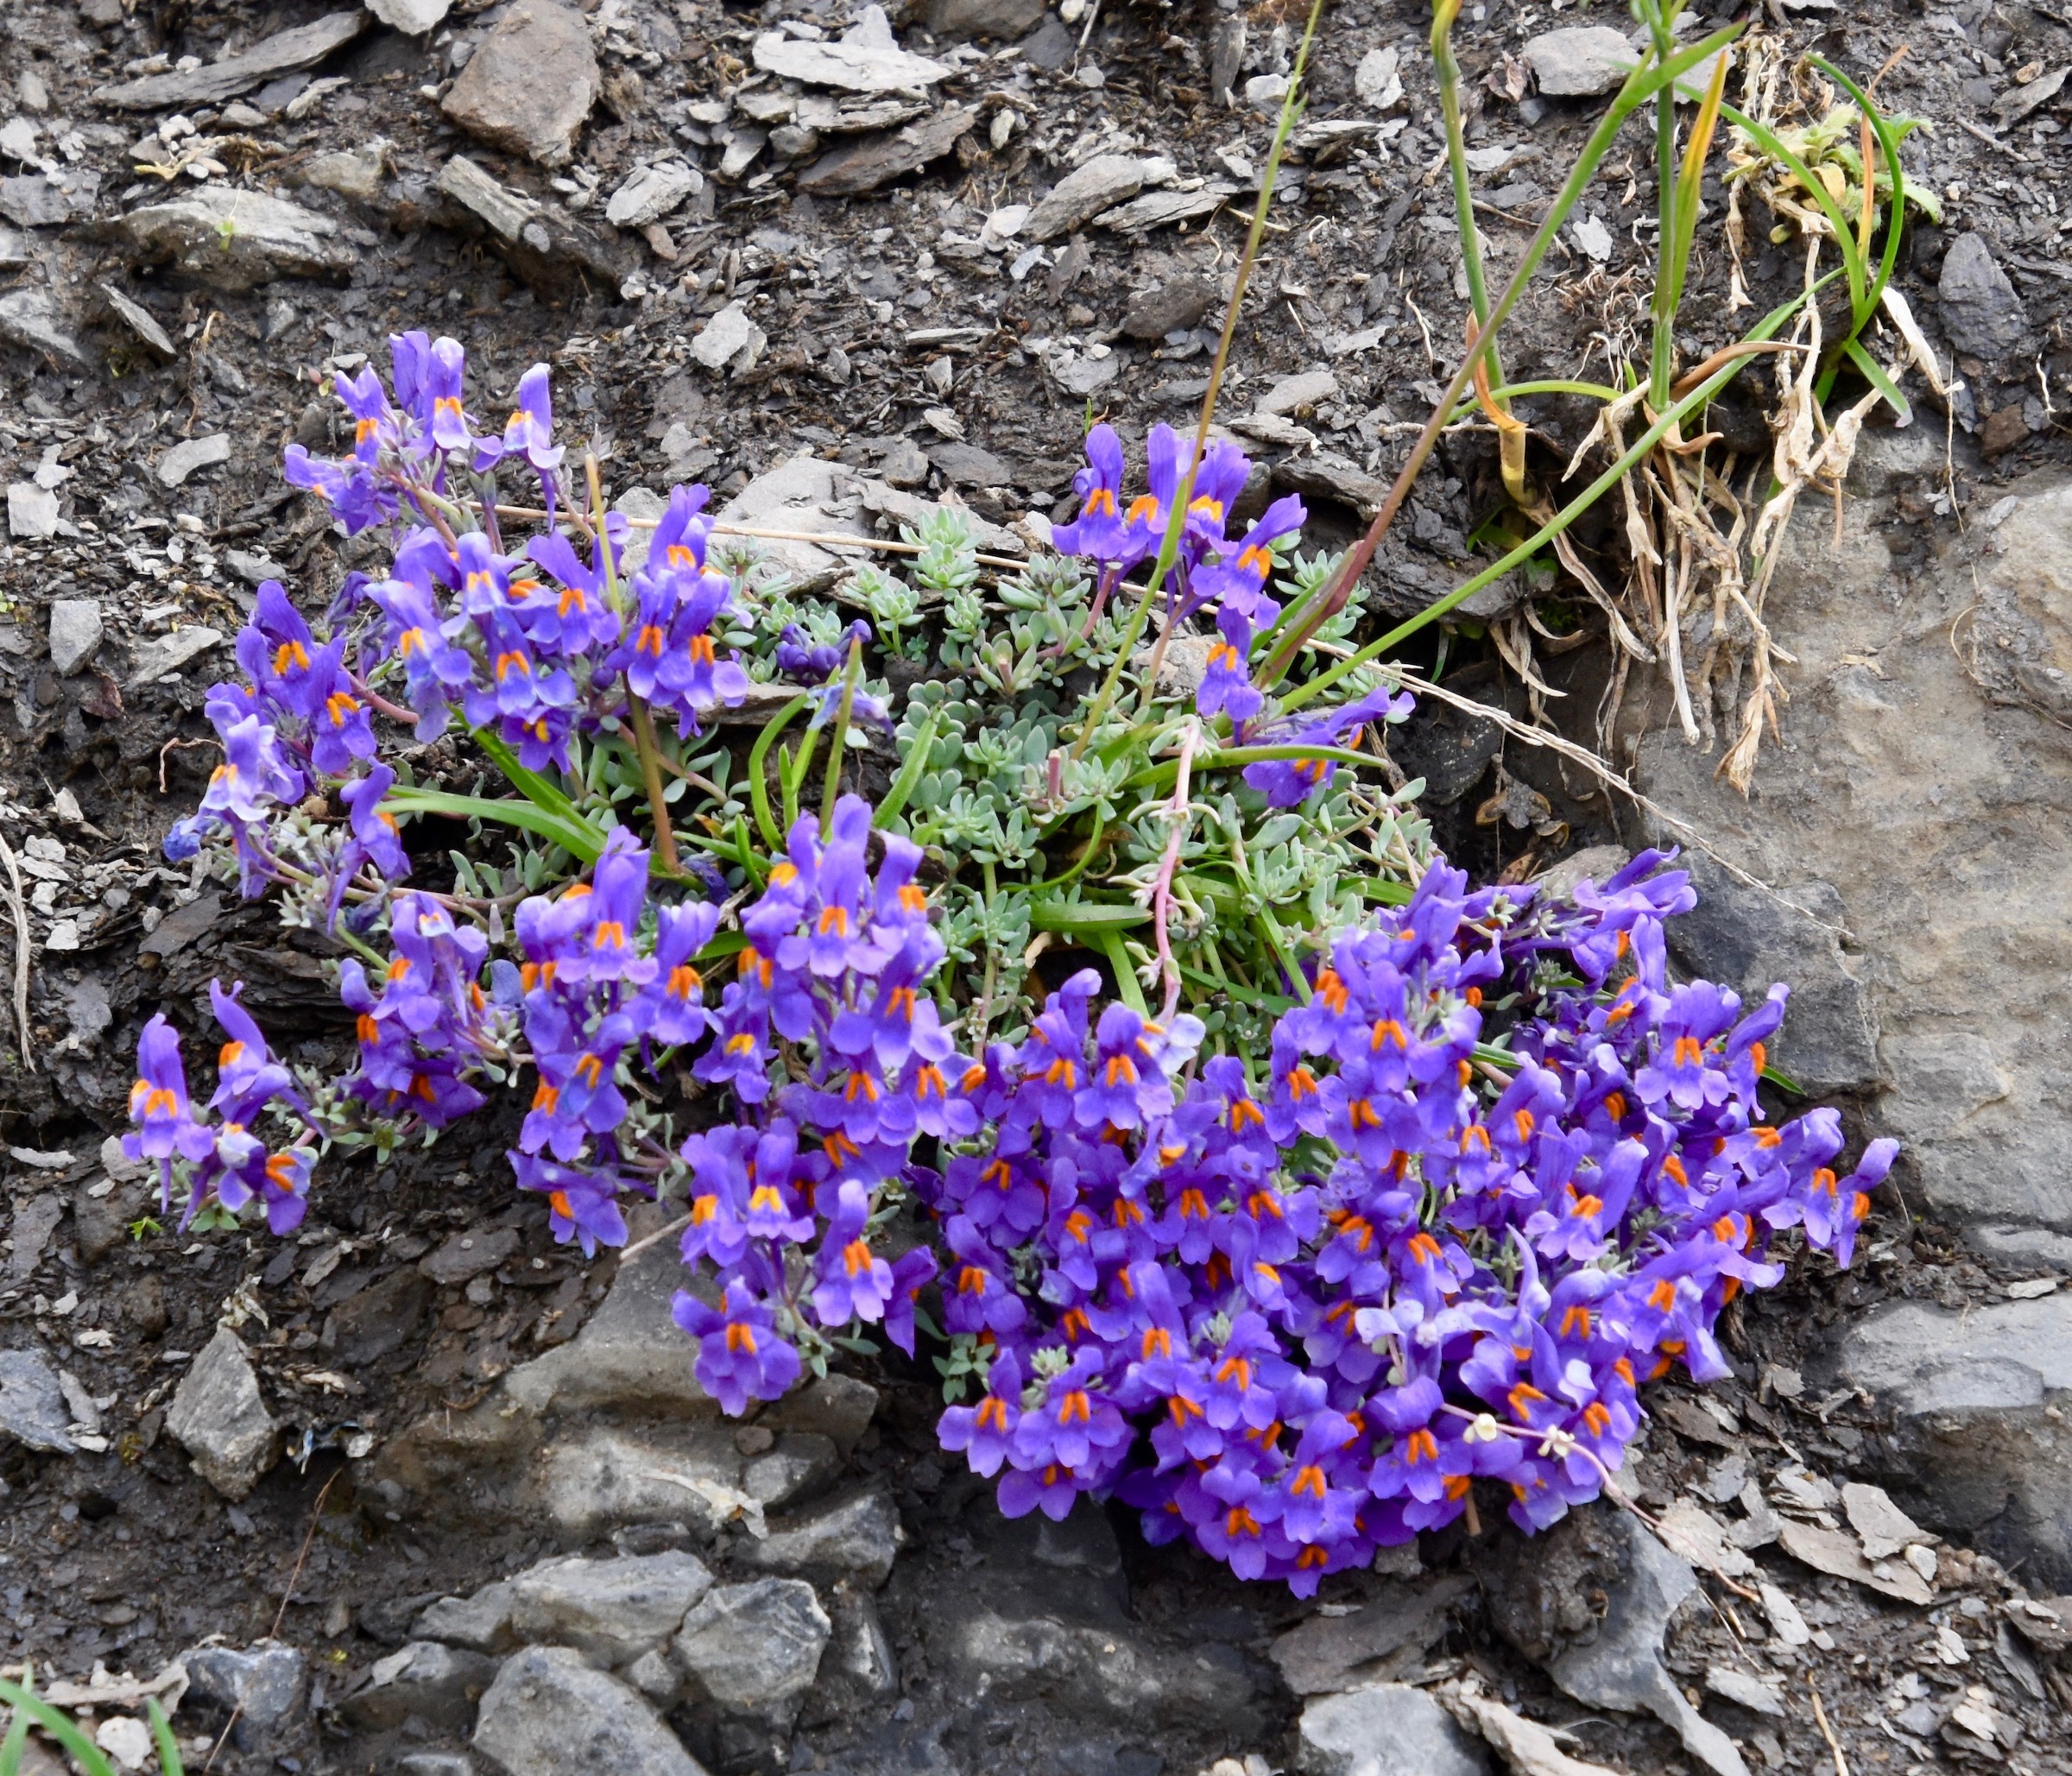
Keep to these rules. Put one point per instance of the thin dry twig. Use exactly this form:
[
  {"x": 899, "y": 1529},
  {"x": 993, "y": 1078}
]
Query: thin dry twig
[{"x": 1819, "y": 1714}]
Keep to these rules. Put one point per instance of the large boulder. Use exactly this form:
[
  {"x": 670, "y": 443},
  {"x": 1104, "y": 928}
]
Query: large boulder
[{"x": 1973, "y": 1406}]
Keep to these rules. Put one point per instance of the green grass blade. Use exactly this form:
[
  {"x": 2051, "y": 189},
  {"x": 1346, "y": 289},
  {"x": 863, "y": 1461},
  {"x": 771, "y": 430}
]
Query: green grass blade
[
  {"x": 1109, "y": 943},
  {"x": 535, "y": 786},
  {"x": 1083, "y": 918},
  {"x": 162, "y": 1736},
  {"x": 1873, "y": 373},
  {"x": 90, "y": 1756},
  {"x": 759, "y": 792},
  {"x": 1888, "y": 146},
  {"x": 576, "y": 836},
  {"x": 904, "y": 785},
  {"x": 1562, "y": 519}
]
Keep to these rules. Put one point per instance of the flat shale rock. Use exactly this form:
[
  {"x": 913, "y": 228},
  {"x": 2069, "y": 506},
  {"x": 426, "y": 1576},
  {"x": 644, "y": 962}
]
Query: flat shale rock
[
  {"x": 235, "y": 240},
  {"x": 1385, "y": 1729},
  {"x": 866, "y": 57},
  {"x": 1967, "y": 1397},
  {"x": 530, "y": 83},
  {"x": 855, "y": 1538},
  {"x": 553, "y": 251},
  {"x": 283, "y": 53},
  {"x": 32, "y": 1403},
  {"x": 865, "y": 165},
  {"x": 219, "y": 1418},
  {"x": 1579, "y": 61},
  {"x": 1002, "y": 20},
  {"x": 29, "y": 316},
  {"x": 550, "y": 1713},
  {"x": 435, "y": 1683},
  {"x": 1980, "y": 311},
  {"x": 1101, "y": 184}
]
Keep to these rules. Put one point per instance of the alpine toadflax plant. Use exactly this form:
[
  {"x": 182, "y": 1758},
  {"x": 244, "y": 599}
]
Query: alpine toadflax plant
[{"x": 1479, "y": 1170}]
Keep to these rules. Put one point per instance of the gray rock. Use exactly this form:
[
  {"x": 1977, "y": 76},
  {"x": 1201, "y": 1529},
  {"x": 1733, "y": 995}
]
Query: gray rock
[
  {"x": 1622, "y": 1667},
  {"x": 236, "y": 240},
  {"x": 1329, "y": 1653},
  {"x": 2011, "y": 106},
  {"x": 355, "y": 173},
  {"x": 550, "y": 249},
  {"x": 32, "y": 511},
  {"x": 1752, "y": 1692},
  {"x": 1101, "y": 184},
  {"x": 369, "y": 1325},
  {"x": 1378, "y": 79},
  {"x": 755, "y": 1649},
  {"x": 1981, "y": 314},
  {"x": 166, "y": 654},
  {"x": 29, "y": 317},
  {"x": 1173, "y": 306},
  {"x": 191, "y": 455},
  {"x": 855, "y": 1538},
  {"x": 75, "y": 632},
  {"x": 30, "y": 200},
  {"x": 217, "y": 1416},
  {"x": 480, "y": 1622},
  {"x": 1744, "y": 938},
  {"x": 425, "y": 1679},
  {"x": 2025, "y": 610},
  {"x": 15, "y": 251},
  {"x": 600, "y": 1479},
  {"x": 1293, "y": 394},
  {"x": 412, "y": 18},
  {"x": 434, "y": 1763},
  {"x": 1003, "y": 20},
  {"x": 610, "y": 1611},
  {"x": 623, "y": 1358},
  {"x": 283, "y": 53},
  {"x": 32, "y": 1403},
  {"x": 141, "y": 321},
  {"x": 802, "y": 1464},
  {"x": 655, "y": 1676},
  {"x": 34, "y": 1221},
  {"x": 836, "y": 1407},
  {"x": 1049, "y": 46},
  {"x": 859, "y": 1660},
  {"x": 729, "y": 341},
  {"x": 802, "y": 494},
  {"x": 462, "y": 1255},
  {"x": 530, "y": 83},
  {"x": 874, "y": 161},
  {"x": 262, "y": 1681},
  {"x": 968, "y": 465},
  {"x": 1965, "y": 1399},
  {"x": 1579, "y": 61},
  {"x": 866, "y": 57},
  {"x": 648, "y": 194},
  {"x": 1385, "y": 1729},
  {"x": 549, "y": 1713}
]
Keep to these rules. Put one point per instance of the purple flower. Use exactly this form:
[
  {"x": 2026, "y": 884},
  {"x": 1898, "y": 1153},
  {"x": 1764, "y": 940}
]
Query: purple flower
[
  {"x": 985, "y": 1433},
  {"x": 740, "y": 1356},
  {"x": 854, "y": 1282},
  {"x": 1285, "y": 783},
  {"x": 582, "y": 1206},
  {"x": 529, "y": 432}
]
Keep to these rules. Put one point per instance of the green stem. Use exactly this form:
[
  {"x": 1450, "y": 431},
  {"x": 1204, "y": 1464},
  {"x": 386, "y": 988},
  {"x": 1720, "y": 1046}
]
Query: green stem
[
  {"x": 1642, "y": 83},
  {"x": 1176, "y": 520},
  {"x": 1444, "y": 14},
  {"x": 1660, "y": 16},
  {"x": 1555, "y": 526},
  {"x": 833, "y": 785}
]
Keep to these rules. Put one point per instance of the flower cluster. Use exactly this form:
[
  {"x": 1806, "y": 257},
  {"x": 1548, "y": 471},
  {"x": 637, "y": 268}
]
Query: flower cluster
[
  {"x": 784, "y": 1204},
  {"x": 1338, "y": 1294},
  {"x": 607, "y": 981},
  {"x": 225, "y": 1164},
  {"x": 1224, "y": 576}
]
